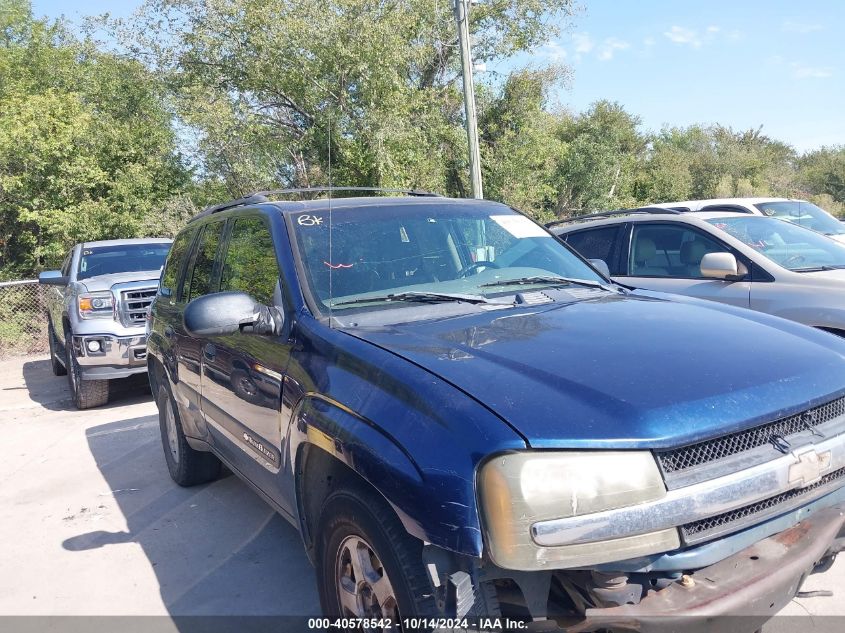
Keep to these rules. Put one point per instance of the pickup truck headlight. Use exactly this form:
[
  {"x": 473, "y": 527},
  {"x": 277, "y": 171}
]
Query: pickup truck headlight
[
  {"x": 517, "y": 490},
  {"x": 96, "y": 305}
]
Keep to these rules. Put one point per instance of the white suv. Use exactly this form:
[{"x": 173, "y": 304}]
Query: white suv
[
  {"x": 737, "y": 258},
  {"x": 799, "y": 212}
]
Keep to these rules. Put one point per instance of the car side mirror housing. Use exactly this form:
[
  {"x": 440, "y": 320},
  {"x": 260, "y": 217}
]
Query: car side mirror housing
[
  {"x": 722, "y": 266},
  {"x": 224, "y": 313},
  {"x": 53, "y": 278},
  {"x": 601, "y": 266}
]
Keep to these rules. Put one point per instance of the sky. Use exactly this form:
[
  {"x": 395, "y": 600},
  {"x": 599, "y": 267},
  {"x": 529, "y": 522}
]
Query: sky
[{"x": 741, "y": 63}]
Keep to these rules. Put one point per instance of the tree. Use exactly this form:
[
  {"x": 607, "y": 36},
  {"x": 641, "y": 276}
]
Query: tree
[
  {"x": 272, "y": 88},
  {"x": 822, "y": 173},
  {"x": 598, "y": 169},
  {"x": 87, "y": 149},
  {"x": 521, "y": 147}
]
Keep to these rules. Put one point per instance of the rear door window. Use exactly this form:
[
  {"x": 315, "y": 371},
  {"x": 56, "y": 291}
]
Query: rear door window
[
  {"x": 175, "y": 262},
  {"x": 202, "y": 278}
]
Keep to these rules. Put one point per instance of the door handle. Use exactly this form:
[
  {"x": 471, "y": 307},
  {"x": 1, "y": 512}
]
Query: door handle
[{"x": 209, "y": 351}]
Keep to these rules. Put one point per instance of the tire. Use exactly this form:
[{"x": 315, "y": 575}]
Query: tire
[
  {"x": 245, "y": 387},
  {"x": 357, "y": 519},
  {"x": 187, "y": 467},
  {"x": 87, "y": 394},
  {"x": 55, "y": 364}
]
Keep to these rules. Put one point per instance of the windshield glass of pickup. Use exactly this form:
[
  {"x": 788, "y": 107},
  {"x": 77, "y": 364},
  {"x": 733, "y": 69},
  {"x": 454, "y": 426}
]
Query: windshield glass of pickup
[
  {"x": 784, "y": 243},
  {"x": 804, "y": 214},
  {"x": 104, "y": 260},
  {"x": 470, "y": 250}
]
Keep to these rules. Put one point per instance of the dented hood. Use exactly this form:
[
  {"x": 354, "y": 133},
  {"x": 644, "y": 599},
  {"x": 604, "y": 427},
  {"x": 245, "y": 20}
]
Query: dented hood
[{"x": 625, "y": 371}]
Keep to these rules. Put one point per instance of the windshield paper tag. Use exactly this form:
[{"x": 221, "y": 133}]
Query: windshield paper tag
[{"x": 519, "y": 226}]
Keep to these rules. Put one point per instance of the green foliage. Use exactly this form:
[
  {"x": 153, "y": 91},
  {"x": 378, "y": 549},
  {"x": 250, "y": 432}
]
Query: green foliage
[
  {"x": 265, "y": 93},
  {"x": 87, "y": 149},
  {"x": 822, "y": 172},
  {"x": 272, "y": 87}
]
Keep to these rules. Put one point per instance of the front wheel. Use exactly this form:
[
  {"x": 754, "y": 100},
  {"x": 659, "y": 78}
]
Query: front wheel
[
  {"x": 86, "y": 393},
  {"x": 369, "y": 567}
]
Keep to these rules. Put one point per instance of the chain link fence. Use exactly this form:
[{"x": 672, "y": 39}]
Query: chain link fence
[{"x": 23, "y": 321}]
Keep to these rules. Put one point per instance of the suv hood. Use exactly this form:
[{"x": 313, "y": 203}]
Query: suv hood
[
  {"x": 105, "y": 282},
  {"x": 626, "y": 371}
]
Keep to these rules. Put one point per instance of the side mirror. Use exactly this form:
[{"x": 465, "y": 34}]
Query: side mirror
[
  {"x": 601, "y": 266},
  {"x": 721, "y": 266},
  {"x": 52, "y": 278},
  {"x": 229, "y": 312}
]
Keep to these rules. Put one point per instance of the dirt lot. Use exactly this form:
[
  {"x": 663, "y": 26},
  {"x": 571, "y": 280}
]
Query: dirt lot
[{"x": 90, "y": 522}]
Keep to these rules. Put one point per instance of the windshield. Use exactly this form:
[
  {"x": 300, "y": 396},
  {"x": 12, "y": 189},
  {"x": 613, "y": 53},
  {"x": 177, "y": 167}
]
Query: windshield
[
  {"x": 466, "y": 251},
  {"x": 104, "y": 260},
  {"x": 785, "y": 244},
  {"x": 805, "y": 214}
]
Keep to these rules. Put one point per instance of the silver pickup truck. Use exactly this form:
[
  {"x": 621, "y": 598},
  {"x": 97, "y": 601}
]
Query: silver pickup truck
[{"x": 96, "y": 310}]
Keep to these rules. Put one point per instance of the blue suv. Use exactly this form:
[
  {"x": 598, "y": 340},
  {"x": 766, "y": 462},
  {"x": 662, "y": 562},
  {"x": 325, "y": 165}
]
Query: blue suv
[{"x": 464, "y": 418}]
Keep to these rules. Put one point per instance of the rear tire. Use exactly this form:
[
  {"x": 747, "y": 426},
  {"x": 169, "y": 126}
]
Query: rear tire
[
  {"x": 86, "y": 393},
  {"x": 55, "y": 364},
  {"x": 187, "y": 467}
]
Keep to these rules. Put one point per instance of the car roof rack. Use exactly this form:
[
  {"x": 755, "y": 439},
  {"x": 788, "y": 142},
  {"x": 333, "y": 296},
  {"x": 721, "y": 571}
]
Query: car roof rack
[
  {"x": 610, "y": 214},
  {"x": 258, "y": 197}
]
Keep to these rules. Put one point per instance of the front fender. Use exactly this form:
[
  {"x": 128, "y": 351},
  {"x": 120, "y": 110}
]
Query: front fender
[
  {"x": 435, "y": 507},
  {"x": 414, "y": 437}
]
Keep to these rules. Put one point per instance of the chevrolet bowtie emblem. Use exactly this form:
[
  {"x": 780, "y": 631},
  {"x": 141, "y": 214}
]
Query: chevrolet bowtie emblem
[{"x": 809, "y": 467}]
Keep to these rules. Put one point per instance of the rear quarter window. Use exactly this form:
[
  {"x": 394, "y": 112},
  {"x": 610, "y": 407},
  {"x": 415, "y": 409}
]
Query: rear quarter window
[{"x": 597, "y": 243}]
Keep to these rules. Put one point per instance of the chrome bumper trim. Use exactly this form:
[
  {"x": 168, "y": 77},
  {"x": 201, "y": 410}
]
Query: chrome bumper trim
[
  {"x": 117, "y": 351},
  {"x": 800, "y": 468}
]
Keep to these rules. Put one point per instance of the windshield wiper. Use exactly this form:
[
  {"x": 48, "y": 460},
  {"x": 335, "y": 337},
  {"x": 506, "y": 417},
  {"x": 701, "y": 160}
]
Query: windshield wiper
[
  {"x": 815, "y": 269},
  {"x": 418, "y": 297},
  {"x": 547, "y": 280}
]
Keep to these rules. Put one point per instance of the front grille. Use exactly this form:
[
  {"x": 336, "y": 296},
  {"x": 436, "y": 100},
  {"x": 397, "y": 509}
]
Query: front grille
[
  {"x": 755, "y": 512},
  {"x": 134, "y": 304},
  {"x": 681, "y": 459}
]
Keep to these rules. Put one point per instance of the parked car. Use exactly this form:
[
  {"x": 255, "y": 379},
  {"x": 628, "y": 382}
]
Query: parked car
[
  {"x": 96, "y": 312},
  {"x": 744, "y": 260},
  {"x": 799, "y": 212},
  {"x": 462, "y": 417}
]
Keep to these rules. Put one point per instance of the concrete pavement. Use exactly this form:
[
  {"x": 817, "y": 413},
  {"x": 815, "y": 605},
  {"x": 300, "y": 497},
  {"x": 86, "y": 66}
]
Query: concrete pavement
[{"x": 91, "y": 523}]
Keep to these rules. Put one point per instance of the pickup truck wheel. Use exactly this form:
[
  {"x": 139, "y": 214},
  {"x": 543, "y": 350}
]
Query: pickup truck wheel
[
  {"x": 368, "y": 566},
  {"x": 55, "y": 364},
  {"x": 86, "y": 393},
  {"x": 187, "y": 467}
]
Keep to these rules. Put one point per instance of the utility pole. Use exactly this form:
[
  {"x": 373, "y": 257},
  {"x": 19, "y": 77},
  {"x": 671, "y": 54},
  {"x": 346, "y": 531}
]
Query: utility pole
[{"x": 461, "y": 15}]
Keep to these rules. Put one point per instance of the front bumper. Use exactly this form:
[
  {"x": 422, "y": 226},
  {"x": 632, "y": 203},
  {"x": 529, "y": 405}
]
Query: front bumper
[
  {"x": 738, "y": 593},
  {"x": 117, "y": 357}
]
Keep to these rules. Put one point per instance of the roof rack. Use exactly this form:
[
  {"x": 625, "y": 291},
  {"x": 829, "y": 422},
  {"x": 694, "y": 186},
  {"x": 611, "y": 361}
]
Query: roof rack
[
  {"x": 258, "y": 197},
  {"x": 610, "y": 214}
]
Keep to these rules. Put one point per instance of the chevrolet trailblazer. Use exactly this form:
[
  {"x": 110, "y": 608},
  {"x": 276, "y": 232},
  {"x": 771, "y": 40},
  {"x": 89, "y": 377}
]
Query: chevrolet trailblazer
[{"x": 463, "y": 418}]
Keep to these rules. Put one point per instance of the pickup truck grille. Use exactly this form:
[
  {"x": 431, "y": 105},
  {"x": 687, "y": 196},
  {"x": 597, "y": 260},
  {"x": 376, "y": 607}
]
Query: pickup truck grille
[
  {"x": 134, "y": 304},
  {"x": 734, "y": 520},
  {"x": 695, "y": 455}
]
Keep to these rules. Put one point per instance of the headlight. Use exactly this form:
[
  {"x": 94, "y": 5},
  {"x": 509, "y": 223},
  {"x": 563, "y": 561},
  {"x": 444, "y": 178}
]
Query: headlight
[
  {"x": 517, "y": 490},
  {"x": 94, "y": 305}
]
